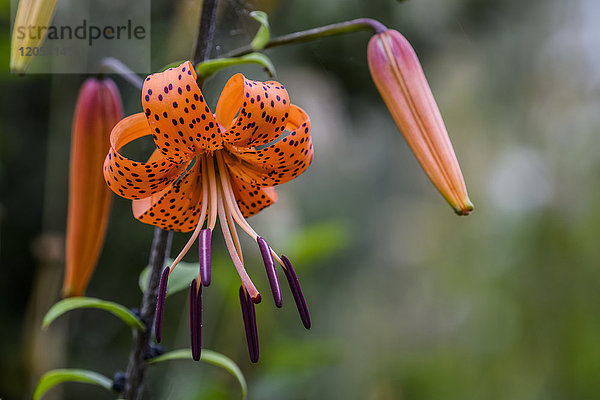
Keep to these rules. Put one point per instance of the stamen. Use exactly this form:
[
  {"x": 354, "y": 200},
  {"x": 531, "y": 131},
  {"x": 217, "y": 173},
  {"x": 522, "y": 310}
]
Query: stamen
[
  {"x": 265, "y": 251},
  {"x": 203, "y": 211},
  {"x": 212, "y": 219},
  {"x": 230, "y": 198},
  {"x": 160, "y": 303},
  {"x": 249, "y": 316},
  {"x": 236, "y": 239},
  {"x": 196, "y": 319},
  {"x": 204, "y": 243},
  {"x": 254, "y": 294},
  {"x": 296, "y": 291}
]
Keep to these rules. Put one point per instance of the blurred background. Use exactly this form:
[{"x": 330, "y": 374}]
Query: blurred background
[{"x": 408, "y": 301}]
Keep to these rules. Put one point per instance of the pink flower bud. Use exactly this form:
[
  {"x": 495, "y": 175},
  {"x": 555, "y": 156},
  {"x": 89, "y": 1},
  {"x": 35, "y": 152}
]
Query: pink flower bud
[
  {"x": 98, "y": 110},
  {"x": 401, "y": 82}
]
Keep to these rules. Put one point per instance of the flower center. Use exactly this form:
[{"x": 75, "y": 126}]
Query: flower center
[{"x": 218, "y": 200}]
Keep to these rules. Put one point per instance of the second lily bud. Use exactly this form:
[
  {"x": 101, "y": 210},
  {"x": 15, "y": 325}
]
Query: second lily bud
[
  {"x": 401, "y": 82},
  {"x": 98, "y": 110}
]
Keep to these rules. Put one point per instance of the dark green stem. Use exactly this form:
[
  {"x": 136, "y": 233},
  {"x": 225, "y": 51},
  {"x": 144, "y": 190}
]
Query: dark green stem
[
  {"x": 206, "y": 30},
  {"x": 161, "y": 247},
  {"x": 355, "y": 25},
  {"x": 111, "y": 65}
]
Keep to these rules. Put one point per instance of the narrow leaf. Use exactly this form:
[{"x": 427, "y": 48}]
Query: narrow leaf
[
  {"x": 74, "y": 303},
  {"x": 263, "y": 34},
  {"x": 53, "y": 378},
  {"x": 208, "y": 356},
  {"x": 179, "y": 279},
  {"x": 210, "y": 67}
]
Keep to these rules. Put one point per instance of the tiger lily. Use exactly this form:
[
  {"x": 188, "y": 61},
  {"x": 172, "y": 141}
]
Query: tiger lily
[{"x": 212, "y": 166}]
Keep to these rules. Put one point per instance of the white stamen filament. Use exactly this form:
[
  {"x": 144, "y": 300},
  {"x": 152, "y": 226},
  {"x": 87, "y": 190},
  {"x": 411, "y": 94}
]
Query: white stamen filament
[
  {"x": 212, "y": 220},
  {"x": 204, "y": 205},
  {"x": 247, "y": 282},
  {"x": 233, "y": 206}
]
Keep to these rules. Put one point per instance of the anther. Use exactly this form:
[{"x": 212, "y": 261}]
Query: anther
[
  {"x": 204, "y": 241},
  {"x": 196, "y": 319},
  {"x": 160, "y": 303},
  {"x": 267, "y": 257},
  {"x": 296, "y": 291},
  {"x": 249, "y": 316}
]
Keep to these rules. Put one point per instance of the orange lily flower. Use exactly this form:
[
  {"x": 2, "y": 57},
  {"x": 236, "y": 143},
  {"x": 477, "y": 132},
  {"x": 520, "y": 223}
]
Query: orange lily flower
[
  {"x": 208, "y": 167},
  {"x": 399, "y": 78},
  {"x": 98, "y": 110}
]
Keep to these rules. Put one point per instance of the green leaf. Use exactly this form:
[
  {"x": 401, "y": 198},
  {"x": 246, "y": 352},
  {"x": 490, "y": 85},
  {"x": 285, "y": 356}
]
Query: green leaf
[
  {"x": 210, "y": 67},
  {"x": 179, "y": 279},
  {"x": 318, "y": 241},
  {"x": 263, "y": 34},
  {"x": 211, "y": 357},
  {"x": 53, "y": 378},
  {"x": 74, "y": 303}
]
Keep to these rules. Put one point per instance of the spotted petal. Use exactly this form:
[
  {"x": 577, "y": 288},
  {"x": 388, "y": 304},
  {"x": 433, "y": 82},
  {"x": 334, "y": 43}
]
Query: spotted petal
[
  {"x": 181, "y": 122},
  {"x": 251, "y": 199},
  {"x": 280, "y": 162},
  {"x": 261, "y": 109},
  {"x": 134, "y": 179},
  {"x": 175, "y": 208}
]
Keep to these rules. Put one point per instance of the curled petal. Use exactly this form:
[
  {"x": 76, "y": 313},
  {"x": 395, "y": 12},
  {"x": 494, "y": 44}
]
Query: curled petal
[
  {"x": 134, "y": 179},
  {"x": 98, "y": 110},
  {"x": 177, "y": 207},
  {"x": 262, "y": 107},
  {"x": 180, "y": 120},
  {"x": 399, "y": 77},
  {"x": 281, "y": 161}
]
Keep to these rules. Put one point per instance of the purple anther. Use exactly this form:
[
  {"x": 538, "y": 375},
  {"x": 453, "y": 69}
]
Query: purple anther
[
  {"x": 160, "y": 304},
  {"x": 196, "y": 319},
  {"x": 256, "y": 299},
  {"x": 249, "y": 315},
  {"x": 193, "y": 315},
  {"x": 204, "y": 240},
  {"x": 267, "y": 257},
  {"x": 247, "y": 326},
  {"x": 296, "y": 291}
]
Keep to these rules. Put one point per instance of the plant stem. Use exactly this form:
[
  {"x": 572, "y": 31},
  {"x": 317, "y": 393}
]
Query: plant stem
[
  {"x": 206, "y": 30},
  {"x": 355, "y": 25},
  {"x": 161, "y": 244},
  {"x": 114, "y": 66},
  {"x": 161, "y": 247}
]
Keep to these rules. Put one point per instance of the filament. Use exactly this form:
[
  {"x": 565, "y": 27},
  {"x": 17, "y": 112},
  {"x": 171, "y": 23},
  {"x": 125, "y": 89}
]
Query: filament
[{"x": 204, "y": 205}]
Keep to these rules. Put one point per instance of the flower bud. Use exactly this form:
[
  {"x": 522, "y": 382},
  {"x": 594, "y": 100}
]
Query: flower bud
[
  {"x": 29, "y": 31},
  {"x": 401, "y": 82},
  {"x": 98, "y": 110}
]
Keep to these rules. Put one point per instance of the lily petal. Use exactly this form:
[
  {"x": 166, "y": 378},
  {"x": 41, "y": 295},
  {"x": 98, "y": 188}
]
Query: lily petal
[
  {"x": 180, "y": 120},
  {"x": 135, "y": 179},
  {"x": 175, "y": 208},
  {"x": 280, "y": 162},
  {"x": 251, "y": 199},
  {"x": 262, "y": 106},
  {"x": 399, "y": 77}
]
